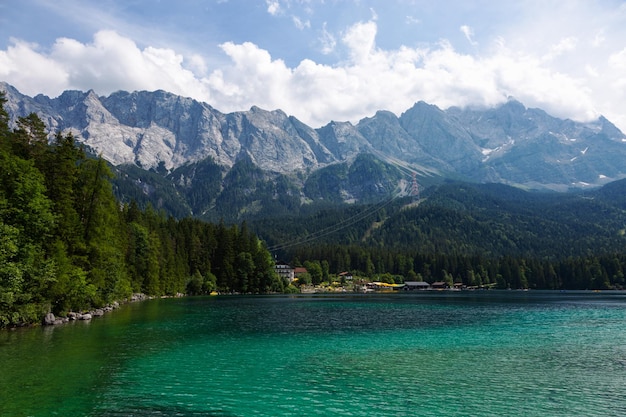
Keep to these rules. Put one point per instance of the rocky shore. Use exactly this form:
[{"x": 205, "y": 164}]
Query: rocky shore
[{"x": 51, "y": 320}]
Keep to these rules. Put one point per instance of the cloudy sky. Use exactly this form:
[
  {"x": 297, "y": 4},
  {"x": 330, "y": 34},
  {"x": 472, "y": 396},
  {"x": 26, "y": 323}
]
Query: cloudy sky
[{"x": 323, "y": 60}]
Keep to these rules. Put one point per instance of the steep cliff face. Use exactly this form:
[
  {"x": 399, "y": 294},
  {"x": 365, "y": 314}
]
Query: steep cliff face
[
  {"x": 530, "y": 147},
  {"x": 510, "y": 144},
  {"x": 158, "y": 128},
  {"x": 386, "y": 134},
  {"x": 441, "y": 137},
  {"x": 270, "y": 140}
]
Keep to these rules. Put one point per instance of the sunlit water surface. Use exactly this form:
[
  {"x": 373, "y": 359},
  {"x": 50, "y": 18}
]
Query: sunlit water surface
[{"x": 427, "y": 354}]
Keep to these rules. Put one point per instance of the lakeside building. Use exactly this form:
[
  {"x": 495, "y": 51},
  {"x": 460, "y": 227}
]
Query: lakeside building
[
  {"x": 416, "y": 285},
  {"x": 285, "y": 271},
  {"x": 299, "y": 271},
  {"x": 345, "y": 275},
  {"x": 381, "y": 286}
]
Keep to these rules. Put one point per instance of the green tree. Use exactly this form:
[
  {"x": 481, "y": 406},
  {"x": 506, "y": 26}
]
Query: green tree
[
  {"x": 245, "y": 268},
  {"x": 30, "y": 139},
  {"x": 325, "y": 270},
  {"x": 5, "y": 132},
  {"x": 314, "y": 269},
  {"x": 101, "y": 222},
  {"x": 195, "y": 284},
  {"x": 224, "y": 259},
  {"x": 26, "y": 222},
  {"x": 61, "y": 173},
  {"x": 209, "y": 284},
  {"x": 70, "y": 291},
  {"x": 268, "y": 280}
]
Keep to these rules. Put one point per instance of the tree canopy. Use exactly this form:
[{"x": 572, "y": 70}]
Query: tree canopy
[{"x": 67, "y": 244}]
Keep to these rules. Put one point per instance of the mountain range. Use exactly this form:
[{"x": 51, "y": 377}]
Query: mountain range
[{"x": 189, "y": 158}]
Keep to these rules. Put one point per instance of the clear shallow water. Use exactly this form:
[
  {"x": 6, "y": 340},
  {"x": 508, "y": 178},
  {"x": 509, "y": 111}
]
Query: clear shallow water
[{"x": 426, "y": 354}]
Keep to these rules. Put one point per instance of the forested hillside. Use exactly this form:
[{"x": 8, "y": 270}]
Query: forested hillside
[
  {"x": 477, "y": 234},
  {"x": 67, "y": 244},
  {"x": 245, "y": 192}
]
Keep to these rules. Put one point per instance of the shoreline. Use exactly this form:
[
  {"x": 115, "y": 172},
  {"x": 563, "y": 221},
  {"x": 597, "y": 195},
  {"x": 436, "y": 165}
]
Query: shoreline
[{"x": 50, "y": 320}]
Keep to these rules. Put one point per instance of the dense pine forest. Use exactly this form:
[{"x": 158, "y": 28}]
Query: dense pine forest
[
  {"x": 66, "y": 244},
  {"x": 476, "y": 234}
]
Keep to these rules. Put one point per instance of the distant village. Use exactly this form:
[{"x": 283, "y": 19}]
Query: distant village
[{"x": 298, "y": 277}]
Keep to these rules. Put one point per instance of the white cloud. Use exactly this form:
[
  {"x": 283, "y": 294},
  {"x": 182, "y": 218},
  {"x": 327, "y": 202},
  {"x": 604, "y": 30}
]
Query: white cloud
[
  {"x": 616, "y": 73},
  {"x": 110, "y": 63},
  {"x": 300, "y": 24},
  {"x": 254, "y": 79},
  {"x": 469, "y": 34},
  {"x": 564, "y": 45},
  {"x": 273, "y": 7},
  {"x": 376, "y": 79},
  {"x": 113, "y": 62},
  {"x": 599, "y": 39},
  {"x": 360, "y": 40},
  {"x": 592, "y": 71},
  {"x": 618, "y": 59},
  {"x": 411, "y": 20},
  {"x": 327, "y": 41},
  {"x": 197, "y": 64},
  {"x": 374, "y": 14},
  {"x": 367, "y": 79},
  {"x": 23, "y": 66}
]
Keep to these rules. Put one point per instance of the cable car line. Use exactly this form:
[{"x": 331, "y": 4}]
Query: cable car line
[
  {"x": 401, "y": 165},
  {"x": 336, "y": 227}
]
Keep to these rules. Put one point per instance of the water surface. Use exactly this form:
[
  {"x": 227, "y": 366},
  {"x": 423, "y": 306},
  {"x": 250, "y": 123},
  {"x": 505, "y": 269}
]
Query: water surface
[{"x": 421, "y": 354}]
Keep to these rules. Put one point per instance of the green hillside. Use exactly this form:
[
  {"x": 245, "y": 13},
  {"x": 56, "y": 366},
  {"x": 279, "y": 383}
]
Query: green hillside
[{"x": 460, "y": 231}]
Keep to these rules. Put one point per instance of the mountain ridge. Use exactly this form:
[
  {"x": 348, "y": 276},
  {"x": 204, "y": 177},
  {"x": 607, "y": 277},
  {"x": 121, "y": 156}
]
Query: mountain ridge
[{"x": 508, "y": 144}]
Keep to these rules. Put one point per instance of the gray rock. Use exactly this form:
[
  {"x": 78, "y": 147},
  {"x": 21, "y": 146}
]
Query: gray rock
[
  {"x": 508, "y": 143},
  {"x": 49, "y": 319}
]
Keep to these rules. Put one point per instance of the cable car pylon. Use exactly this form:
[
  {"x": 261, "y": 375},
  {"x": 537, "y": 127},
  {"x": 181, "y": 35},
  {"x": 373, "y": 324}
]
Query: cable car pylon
[{"x": 415, "y": 191}]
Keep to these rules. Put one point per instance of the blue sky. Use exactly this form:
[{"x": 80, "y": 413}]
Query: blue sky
[{"x": 326, "y": 60}]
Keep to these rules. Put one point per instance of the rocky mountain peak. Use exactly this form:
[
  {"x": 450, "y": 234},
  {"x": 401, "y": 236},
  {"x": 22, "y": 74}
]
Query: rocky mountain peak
[{"x": 509, "y": 143}]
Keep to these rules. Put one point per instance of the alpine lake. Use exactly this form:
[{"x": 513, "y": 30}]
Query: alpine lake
[{"x": 422, "y": 353}]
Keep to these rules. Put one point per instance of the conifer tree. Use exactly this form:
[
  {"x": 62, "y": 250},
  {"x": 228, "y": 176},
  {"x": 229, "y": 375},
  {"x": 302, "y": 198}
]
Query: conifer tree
[
  {"x": 30, "y": 139},
  {"x": 5, "y": 132},
  {"x": 61, "y": 173},
  {"x": 26, "y": 223},
  {"x": 101, "y": 222}
]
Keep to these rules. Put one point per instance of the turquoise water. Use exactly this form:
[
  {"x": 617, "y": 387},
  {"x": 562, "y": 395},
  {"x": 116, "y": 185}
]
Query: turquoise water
[{"x": 428, "y": 354}]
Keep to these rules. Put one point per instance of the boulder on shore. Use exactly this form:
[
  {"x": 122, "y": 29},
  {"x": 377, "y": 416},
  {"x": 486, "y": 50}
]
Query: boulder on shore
[
  {"x": 49, "y": 319},
  {"x": 138, "y": 297}
]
